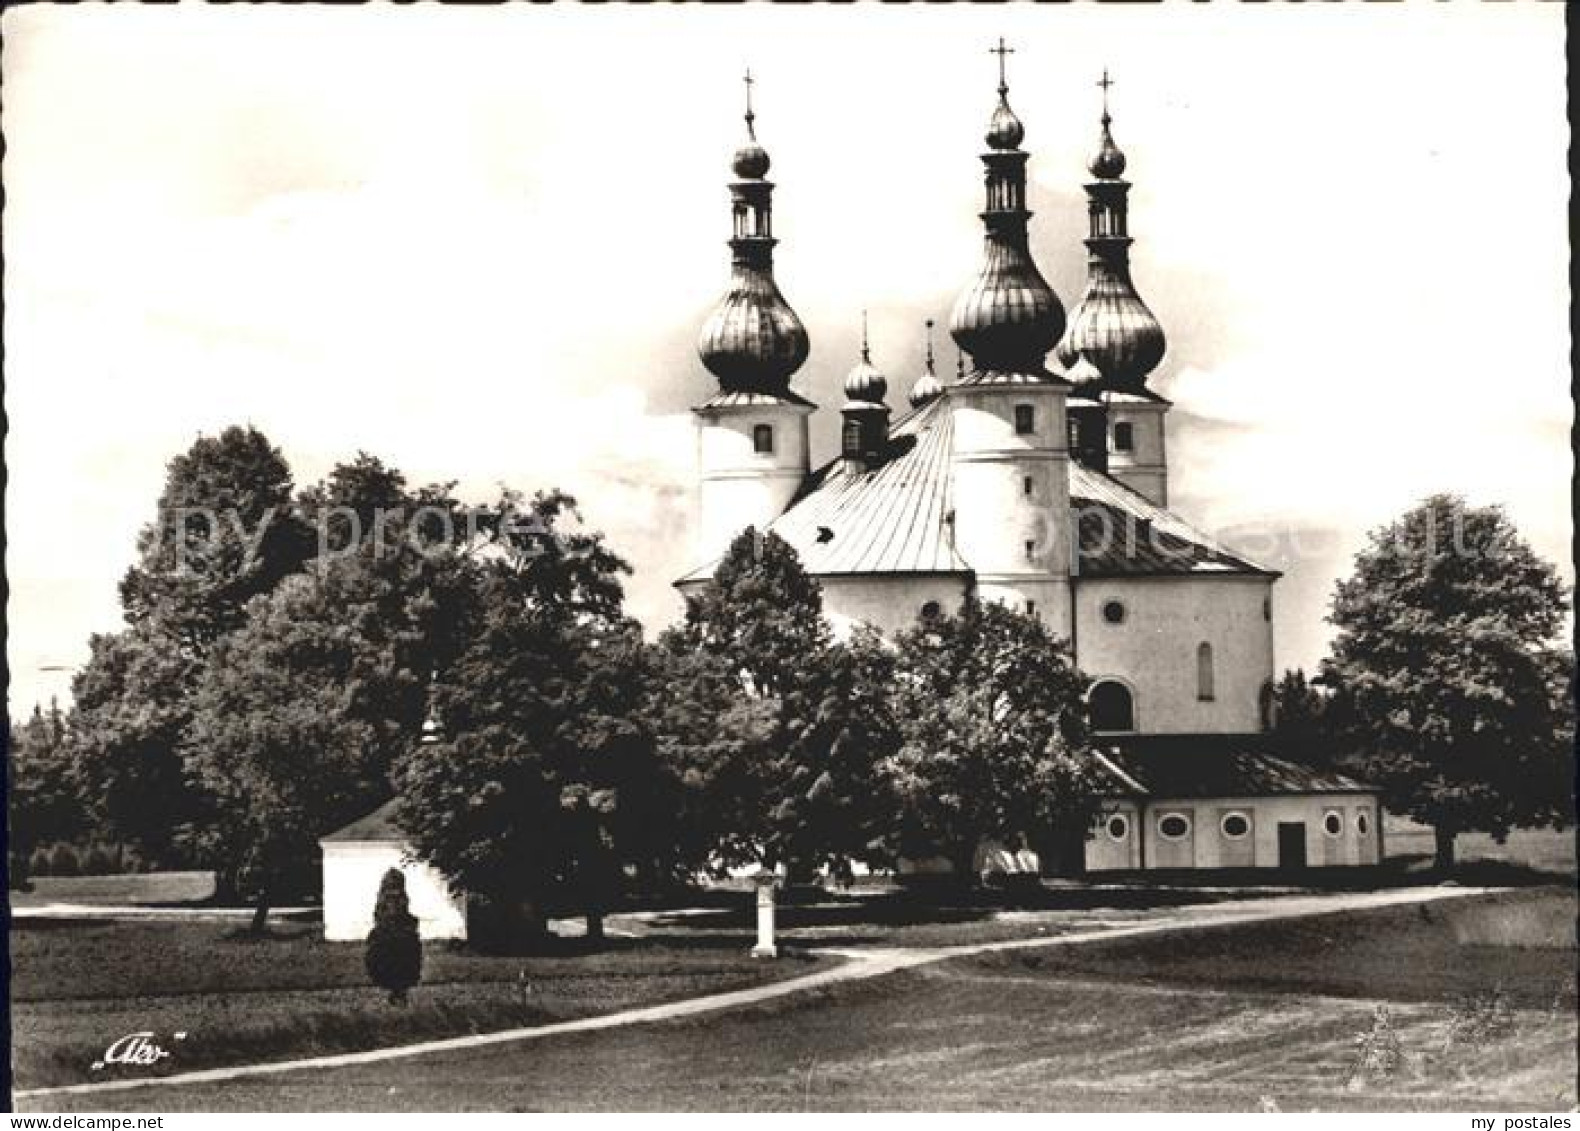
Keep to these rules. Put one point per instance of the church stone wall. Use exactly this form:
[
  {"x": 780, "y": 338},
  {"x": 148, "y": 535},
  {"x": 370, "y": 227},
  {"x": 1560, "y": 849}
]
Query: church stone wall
[
  {"x": 1144, "y": 467},
  {"x": 1154, "y": 648},
  {"x": 1012, "y": 497},
  {"x": 889, "y": 602},
  {"x": 738, "y": 486}
]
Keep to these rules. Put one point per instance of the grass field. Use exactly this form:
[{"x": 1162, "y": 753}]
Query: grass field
[
  {"x": 1547, "y": 851},
  {"x": 1240, "y": 1018},
  {"x": 143, "y": 889},
  {"x": 78, "y": 984}
]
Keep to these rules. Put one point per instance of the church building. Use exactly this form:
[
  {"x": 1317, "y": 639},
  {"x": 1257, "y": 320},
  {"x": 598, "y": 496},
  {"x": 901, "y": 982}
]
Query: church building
[{"x": 1042, "y": 483}]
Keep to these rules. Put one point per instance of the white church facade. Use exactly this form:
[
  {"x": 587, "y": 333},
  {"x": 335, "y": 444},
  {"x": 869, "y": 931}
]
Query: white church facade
[{"x": 1041, "y": 482}]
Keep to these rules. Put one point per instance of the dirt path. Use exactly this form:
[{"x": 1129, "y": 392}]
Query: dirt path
[{"x": 857, "y": 964}]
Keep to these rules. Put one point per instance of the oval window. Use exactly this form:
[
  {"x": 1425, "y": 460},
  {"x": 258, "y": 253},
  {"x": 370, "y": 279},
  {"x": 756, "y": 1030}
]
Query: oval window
[
  {"x": 1118, "y": 827},
  {"x": 1362, "y": 825},
  {"x": 1173, "y": 826},
  {"x": 1235, "y": 825},
  {"x": 930, "y": 610},
  {"x": 1114, "y": 612},
  {"x": 1332, "y": 823}
]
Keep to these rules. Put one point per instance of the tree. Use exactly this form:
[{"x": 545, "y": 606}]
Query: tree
[
  {"x": 995, "y": 744},
  {"x": 545, "y": 757},
  {"x": 778, "y": 725},
  {"x": 302, "y": 712},
  {"x": 1298, "y": 722},
  {"x": 223, "y": 533},
  {"x": 130, "y": 709},
  {"x": 41, "y": 798},
  {"x": 1448, "y": 688},
  {"x": 394, "y": 953}
]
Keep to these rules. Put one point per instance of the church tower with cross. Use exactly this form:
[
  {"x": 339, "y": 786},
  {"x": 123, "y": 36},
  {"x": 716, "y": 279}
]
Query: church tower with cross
[
  {"x": 1114, "y": 341},
  {"x": 752, "y": 439},
  {"x": 1036, "y": 478},
  {"x": 1010, "y": 457}
]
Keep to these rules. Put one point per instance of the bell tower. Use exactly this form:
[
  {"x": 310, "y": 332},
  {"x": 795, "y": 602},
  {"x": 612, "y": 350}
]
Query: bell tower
[
  {"x": 752, "y": 449},
  {"x": 1114, "y": 338},
  {"x": 1011, "y": 456}
]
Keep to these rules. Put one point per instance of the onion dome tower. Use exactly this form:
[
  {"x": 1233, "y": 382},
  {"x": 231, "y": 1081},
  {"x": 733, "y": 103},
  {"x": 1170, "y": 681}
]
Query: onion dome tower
[
  {"x": 1008, "y": 318},
  {"x": 927, "y": 388},
  {"x": 752, "y": 342},
  {"x": 752, "y": 433},
  {"x": 1111, "y": 327},
  {"x": 1114, "y": 341},
  {"x": 865, "y": 431},
  {"x": 1009, "y": 456}
]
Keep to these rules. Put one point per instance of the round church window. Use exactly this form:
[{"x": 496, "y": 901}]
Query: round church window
[
  {"x": 1173, "y": 826},
  {"x": 930, "y": 610},
  {"x": 1332, "y": 823},
  {"x": 1114, "y": 612},
  {"x": 1118, "y": 827},
  {"x": 1235, "y": 825}
]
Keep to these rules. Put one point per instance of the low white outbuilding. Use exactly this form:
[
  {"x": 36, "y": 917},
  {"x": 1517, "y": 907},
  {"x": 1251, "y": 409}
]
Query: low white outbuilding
[
  {"x": 1188, "y": 803},
  {"x": 355, "y": 860}
]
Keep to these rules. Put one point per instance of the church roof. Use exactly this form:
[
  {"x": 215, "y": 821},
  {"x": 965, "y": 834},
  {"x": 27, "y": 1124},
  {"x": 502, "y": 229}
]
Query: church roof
[
  {"x": 892, "y": 518},
  {"x": 378, "y": 825},
  {"x": 1164, "y": 767},
  {"x": 1124, "y": 534},
  {"x": 741, "y": 398},
  {"x": 896, "y": 517}
]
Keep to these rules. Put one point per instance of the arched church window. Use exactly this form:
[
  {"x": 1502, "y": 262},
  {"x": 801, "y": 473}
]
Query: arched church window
[
  {"x": 763, "y": 439},
  {"x": 1025, "y": 419},
  {"x": 1266, "y": 706},
  {"x": 1124, "y": 437},
  {"x": 1110, "y": 707},
  {"x": 1204, "y": 679}
]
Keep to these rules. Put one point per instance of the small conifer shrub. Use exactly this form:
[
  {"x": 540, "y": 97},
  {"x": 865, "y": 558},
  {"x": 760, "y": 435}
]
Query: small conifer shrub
[{"x": 394, "y": 954}]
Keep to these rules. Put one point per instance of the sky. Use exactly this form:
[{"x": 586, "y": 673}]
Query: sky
[{"x": 479, "y": 242}]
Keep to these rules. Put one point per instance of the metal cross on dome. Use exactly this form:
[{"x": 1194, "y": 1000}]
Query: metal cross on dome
[{"x": 1001, "y": 50}]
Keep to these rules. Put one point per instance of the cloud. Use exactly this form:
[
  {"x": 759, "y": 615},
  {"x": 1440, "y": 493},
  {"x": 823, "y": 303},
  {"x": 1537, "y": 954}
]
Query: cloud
[{"x": 479, "y": 242}]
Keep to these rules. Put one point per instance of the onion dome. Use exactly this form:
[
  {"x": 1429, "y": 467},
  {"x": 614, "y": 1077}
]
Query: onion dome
[
  {"x": 751, "y": 160},
  {"x": 1004, "y": 129},
  {"x": 927, "y": 387},
  {"x": 1109, "y": 161},
  {"x": 1111, "y": 328},
  {"x": 753, "y": 342},
  {"x": 1008, "y": 318},
  {"x": 1079, "y": 372},
  {"x": 864, "y": 382}
]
